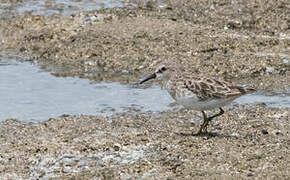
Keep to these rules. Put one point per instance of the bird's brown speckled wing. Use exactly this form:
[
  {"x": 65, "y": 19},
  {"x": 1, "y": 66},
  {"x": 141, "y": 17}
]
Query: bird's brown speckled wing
[{"x": 206, "y": 88}]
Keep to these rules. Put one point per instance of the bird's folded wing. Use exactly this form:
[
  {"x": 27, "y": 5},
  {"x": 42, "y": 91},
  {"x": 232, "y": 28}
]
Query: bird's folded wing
[{"x": 210, "y": 88}]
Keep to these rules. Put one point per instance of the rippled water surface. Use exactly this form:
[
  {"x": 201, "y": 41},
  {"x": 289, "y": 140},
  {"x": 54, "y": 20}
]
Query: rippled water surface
[{"x": 30, "y": 94}]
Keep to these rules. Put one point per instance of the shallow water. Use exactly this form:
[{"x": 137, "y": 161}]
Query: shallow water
[
  {"x": 276, "y": 100},
  {"x": 29, "y": 93},
  {"x": 62, "y": 7}
]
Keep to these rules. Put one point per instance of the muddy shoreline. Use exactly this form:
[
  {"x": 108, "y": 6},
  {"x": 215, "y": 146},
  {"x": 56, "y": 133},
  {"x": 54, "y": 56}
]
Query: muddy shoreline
[
  {"x": 244, "y": 42},
  {"x": 247, "y": 142},
  {"x": 132, "y": 41}
]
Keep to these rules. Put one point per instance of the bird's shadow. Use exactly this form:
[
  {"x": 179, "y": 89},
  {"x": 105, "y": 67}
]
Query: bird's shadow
[{"x": 209, "y": 135}]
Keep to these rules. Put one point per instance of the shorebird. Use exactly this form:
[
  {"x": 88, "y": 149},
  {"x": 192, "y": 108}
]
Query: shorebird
[{"x": 198, "y": 93}]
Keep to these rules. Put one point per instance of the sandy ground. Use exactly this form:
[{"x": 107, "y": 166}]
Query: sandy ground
[
  {"x": 242, "y": 41},
  {"x": 246, "y": 142}
]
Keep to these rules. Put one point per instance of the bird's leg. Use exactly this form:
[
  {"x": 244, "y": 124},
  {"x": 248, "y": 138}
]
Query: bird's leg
[
  {"x": 206, "y": 120},
  {"x": 216, "y": 115},
  {"x": 204, "y": 124},
  {"x": 210, "y": 118}
]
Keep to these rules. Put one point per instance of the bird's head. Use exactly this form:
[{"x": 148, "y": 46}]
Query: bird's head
[{"x": 162, "y": 72}]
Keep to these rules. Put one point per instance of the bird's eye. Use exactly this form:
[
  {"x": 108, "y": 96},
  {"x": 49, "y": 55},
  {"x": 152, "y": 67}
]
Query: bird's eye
[{"x": 163, "y": 69}]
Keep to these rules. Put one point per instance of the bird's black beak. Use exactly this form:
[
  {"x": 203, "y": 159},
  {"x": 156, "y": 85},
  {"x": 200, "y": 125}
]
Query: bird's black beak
[{"x": 152, "y": 76}]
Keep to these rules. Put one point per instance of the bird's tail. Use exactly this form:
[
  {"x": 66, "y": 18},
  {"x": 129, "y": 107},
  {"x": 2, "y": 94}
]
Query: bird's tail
[{"x": 245, "y": 89}]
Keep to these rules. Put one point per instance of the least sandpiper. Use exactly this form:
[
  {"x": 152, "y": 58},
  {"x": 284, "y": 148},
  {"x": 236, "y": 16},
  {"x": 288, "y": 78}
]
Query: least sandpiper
[{"x": 198, "y": 93}]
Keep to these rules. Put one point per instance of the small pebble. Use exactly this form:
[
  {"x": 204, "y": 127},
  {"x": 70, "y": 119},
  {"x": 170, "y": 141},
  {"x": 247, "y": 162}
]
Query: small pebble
[
  {"x": 250, "y": 174},
  {"x": 286, "y": 61},
  {"x": 269, "y": 69},
  {"x": 264, "y": 131}
]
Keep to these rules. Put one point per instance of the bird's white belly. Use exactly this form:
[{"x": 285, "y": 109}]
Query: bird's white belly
[{"x": 196, "y": 104}]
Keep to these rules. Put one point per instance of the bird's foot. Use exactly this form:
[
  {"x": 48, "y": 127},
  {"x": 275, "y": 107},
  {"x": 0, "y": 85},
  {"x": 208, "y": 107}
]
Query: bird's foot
[{"x": 200, "y": 132}]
